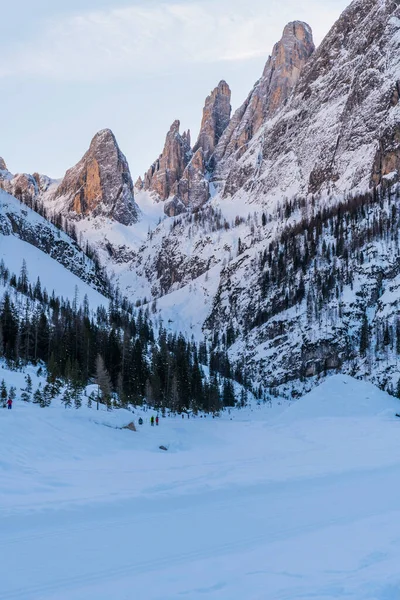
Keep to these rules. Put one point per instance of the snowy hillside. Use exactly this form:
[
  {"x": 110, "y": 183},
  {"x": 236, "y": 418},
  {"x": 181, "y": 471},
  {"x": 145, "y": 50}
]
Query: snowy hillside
[
  {"x": 53, "y": 275},
  {"x": 24, "y": 234},
  {"x": 248, "y": 506}
]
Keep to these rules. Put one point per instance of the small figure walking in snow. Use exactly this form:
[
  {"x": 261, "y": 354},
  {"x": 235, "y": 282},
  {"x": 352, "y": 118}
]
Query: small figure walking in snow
[
  {"x": 152, "y": 421},
  {"x": 9, "y": 404},
  {"x": 157, "y": 420},
  {"x": 140, "y": 421}
]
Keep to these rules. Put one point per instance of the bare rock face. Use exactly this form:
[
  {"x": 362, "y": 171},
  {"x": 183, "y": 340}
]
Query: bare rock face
[
  {"x": 167, "y": 170},
  {"x": 216, "y": 117},
  {"x": 339, "y": 131},
  {"x": 271, "y": 92},
  {"x": 192, "y": 190},
  {"x": 180, "y": 175},
  {"x": 100, "y": 184},
  {"x": 3, "y": 166}
]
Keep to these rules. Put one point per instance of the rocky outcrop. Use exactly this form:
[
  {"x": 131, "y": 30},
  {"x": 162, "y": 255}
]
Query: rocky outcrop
[
  {"x": 23, "y": 186},
  {"x": 216, "y": 117},
  {"x": 271, "y": 92},
  {"x": 167, "y": 170},
  {"x": 192, "y": 190},
  {"x": 100, "y": 184},
  {"x": 180, "y": 176}
]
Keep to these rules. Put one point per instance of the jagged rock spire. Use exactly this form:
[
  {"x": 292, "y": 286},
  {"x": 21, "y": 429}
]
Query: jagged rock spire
[
  {"x": 270, "y": 93},
  {"x": 216, "y": 117},
  {"x": 166, "y": 171},
  {"x": 100, "y": 183}
]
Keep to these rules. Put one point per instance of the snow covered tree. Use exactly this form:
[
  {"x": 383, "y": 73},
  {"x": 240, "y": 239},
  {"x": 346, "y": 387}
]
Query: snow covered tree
[
  {"x": 46, "y": 396},
  {"x": 91, "y": 399},
  {"x": 38, "y": 396},
  {"x": 67, "y": 396},
  {"x": 27, "y": 390},
  {"x": 3, "y": 393}
]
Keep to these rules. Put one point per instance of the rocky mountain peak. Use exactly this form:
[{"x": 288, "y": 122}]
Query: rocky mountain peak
[
  {"x": 3, "y": 166},
  {"x": 167, "y": 170},
  {"x": 216, "y": 117},
  {"x": 270, "y": 93},
  {"x": 339, "y": 132},
  {"x": 100, "y": 183},
  {"x": 283, "y": 68},
  {"x": 180, "y": 173}
]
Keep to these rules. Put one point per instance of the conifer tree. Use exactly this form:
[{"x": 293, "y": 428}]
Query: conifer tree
[
  {"x": 46, "y": 396},
  {"x": 27, "y": 390},
  {"x": 38, "y": 396},
  {"x": 67, "y": 396},
  {"x": 103, "y": 380},
  {"x": 3, "y": 393}
]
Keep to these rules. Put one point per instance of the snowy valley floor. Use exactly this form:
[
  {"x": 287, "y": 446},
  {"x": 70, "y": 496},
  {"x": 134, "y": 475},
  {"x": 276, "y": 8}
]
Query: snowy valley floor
[{"x": 302, "y": 503}]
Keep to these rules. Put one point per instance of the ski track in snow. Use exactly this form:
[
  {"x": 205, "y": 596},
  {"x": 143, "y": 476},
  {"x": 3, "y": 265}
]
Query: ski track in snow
[{"x": 268, "y": 506}]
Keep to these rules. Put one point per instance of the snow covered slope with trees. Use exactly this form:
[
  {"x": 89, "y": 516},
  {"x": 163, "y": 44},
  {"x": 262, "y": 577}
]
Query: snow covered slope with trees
[{"x": 19, "y": 221}]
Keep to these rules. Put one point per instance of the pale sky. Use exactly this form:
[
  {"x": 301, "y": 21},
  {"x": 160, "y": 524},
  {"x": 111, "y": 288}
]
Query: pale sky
[{"x": 71, "y": 67}]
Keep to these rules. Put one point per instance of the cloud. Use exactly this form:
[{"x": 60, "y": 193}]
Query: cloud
[{"x": 154, "y": 38}]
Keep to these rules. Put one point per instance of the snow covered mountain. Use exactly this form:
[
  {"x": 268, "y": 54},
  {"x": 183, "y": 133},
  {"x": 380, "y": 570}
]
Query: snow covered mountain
[{"x": 274, "y": 237}]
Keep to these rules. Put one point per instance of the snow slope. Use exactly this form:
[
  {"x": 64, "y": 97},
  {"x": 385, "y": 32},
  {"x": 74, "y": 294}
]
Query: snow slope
[
  {"x": 48, "y": 251},
  {"x": 257, "y": 507},
  {"x": 52, "y": 274}
]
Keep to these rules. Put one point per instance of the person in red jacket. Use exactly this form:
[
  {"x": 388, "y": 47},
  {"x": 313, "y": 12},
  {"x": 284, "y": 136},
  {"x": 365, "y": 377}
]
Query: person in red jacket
[
  {"x": 9, "y": 404},
  {"x": 157, "y": 420}
]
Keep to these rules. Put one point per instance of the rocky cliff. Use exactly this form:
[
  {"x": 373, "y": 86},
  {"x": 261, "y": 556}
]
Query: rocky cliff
[
  {"x": 181, "y": 174},
  {"x": 338, "y": 132},
  {"x": 167, "y": 170},
  {"x": 216, "y": 117},
  {"x": 269, "y": 94},
  {"x": 99, "y": 184}
]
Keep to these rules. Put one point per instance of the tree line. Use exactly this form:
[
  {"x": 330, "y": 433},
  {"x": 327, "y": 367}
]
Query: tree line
[{"x": 118, "y": 347}]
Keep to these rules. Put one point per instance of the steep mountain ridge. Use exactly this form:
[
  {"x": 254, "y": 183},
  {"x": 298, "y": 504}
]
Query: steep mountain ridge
[
  {"x": 270, "y": 93},
  {"x": 338, "y": 133},
  {"x": 181, "y": 175}
]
